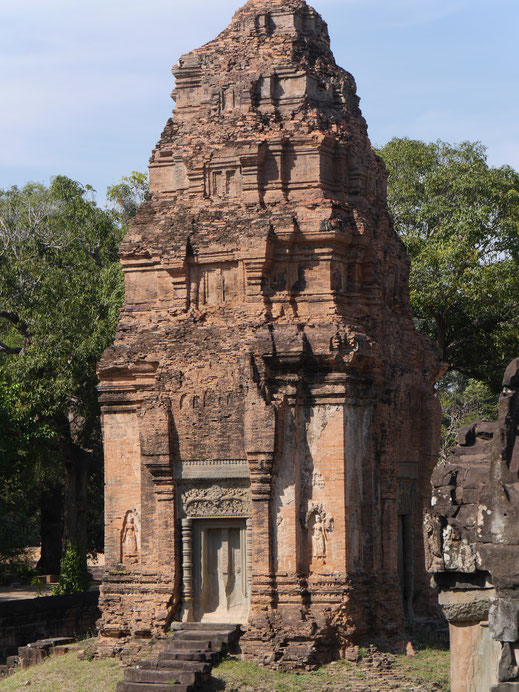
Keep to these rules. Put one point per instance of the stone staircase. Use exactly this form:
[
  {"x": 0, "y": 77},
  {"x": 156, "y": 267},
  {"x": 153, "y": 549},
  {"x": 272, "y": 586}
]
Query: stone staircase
[{"x": 185, "y": 663}]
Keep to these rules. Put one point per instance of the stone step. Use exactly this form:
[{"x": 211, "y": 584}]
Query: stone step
[
  {"x": 185, "y": 664},
  {"x": 151, "y": 687},
  {"x": 168, "y": 677},
  {"x": 220, "y": 626},
  {"x": 199, "y": 634},
  {"x": 217, "y": 639},
  {"x": 175, "y": 664},
  {"x": 198, "y": 644},
  {"x": 194, "y": 656},
  {"x": 204, "y": 656},
  {"x": 204, "y": 629},
  {"x": 217, "y": 643}
]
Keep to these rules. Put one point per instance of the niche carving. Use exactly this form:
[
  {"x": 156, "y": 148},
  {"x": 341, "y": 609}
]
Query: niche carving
[
  {"x": 320, "y": 525},
  {"x": 223, "y": 181},
  {"x": 216, "y": 284},
  {"x": 130, "y": 539}
]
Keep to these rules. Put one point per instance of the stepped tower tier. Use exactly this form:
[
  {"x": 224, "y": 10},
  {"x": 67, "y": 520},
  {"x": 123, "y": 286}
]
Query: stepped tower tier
[{"x": 269, "y": 418}]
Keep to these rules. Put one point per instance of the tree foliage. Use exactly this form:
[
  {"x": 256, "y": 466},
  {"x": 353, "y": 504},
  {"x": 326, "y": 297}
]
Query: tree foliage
[
  {"x": 60, "y": 290},
  {"x": 128, "y": 195},
  {"x": 60, "y": 293},
  {"x": 463, "y": 400},
  {"x": 73, "y": 577},
  {"x": 459, "y": 219}
]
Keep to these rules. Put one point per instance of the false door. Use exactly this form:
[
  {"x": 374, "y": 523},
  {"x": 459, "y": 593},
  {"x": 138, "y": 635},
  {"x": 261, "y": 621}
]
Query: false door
[{"x": 220, "y": 588}]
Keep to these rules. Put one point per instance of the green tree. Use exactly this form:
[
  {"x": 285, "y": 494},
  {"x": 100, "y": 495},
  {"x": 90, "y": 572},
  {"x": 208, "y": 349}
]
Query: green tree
[
  {"x": 459, "y": 219},
  {"x": 463, "y": 401},
  {"x": 60, "y": 293},
  {"x": 128, "y": 195}
]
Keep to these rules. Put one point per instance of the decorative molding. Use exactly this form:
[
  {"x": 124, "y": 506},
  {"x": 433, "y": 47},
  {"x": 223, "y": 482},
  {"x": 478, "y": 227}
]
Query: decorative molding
[
  {"x": 223, "y": 500},
  {"x": 192, "y": 470},
  {"x": 160, "y": 469},
  {"x": 214, "y": 462}
]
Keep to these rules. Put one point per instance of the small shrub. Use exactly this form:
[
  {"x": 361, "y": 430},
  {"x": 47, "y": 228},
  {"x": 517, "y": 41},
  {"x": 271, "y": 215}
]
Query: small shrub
[
  {"x": 37, "y": 582},
  {"x": 74, "y": 577}
]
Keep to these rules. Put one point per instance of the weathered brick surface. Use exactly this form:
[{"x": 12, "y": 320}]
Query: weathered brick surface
[{"x": 266, "y": 367}]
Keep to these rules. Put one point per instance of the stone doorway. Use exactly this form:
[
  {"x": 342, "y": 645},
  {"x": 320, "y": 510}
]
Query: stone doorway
[{"x": 220, "y": 570}]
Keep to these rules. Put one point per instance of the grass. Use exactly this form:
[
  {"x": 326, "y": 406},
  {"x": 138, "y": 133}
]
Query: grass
[
  {"x": 430, "y": 669},
  {"x": 430, "y": 666},
  {"x": 244, "y": 675},
  {"x": 67, "y": 674},
  {"x": 426, "y": 672}
]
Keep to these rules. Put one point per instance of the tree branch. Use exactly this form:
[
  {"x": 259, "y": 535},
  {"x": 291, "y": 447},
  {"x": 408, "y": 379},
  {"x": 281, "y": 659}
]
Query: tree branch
[
  {"x": 11, "y": 350},
  {"x": 17, "y": 323},
  {"x": 97, "y": 257},
  {"x": 486, "y": 326},
  {"x": 93, "y": 254},
  {"x": 11, "y": 316}
]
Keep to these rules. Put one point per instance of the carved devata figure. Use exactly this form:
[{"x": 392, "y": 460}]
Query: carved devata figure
[
  {"x": 320, "y": 525},
  {"x": 129, "y": 542}
]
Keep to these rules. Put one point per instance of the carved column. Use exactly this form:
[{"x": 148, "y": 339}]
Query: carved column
[
  {"x": 260, "y": 465},
  {"x": 249, "y": 534},
  {"x": 272, "y": 179},
  {"x": 187, "y": 569}
]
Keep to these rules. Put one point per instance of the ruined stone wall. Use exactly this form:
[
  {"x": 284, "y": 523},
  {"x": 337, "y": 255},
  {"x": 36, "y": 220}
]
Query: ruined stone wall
[
  {"x": 472, "y": 546},
  {"x": 26, "y": 620},
  {"x": 266, "y": 368}
]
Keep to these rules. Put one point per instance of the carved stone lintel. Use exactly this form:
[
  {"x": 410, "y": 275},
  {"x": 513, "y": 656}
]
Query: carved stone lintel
[{"x": 223, "y": 500}]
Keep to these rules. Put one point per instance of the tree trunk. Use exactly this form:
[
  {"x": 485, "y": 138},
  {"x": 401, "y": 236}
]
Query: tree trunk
[
  {"x": 76, "y": 462},
  {"x": 51, "y": 529}
]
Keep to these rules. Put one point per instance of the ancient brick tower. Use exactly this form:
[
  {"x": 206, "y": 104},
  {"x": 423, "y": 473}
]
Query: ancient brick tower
[{"x": 268, "y": 411}]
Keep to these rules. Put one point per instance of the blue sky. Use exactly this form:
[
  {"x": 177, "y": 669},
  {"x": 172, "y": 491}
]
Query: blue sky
[{"x": 85, "y": 85}]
